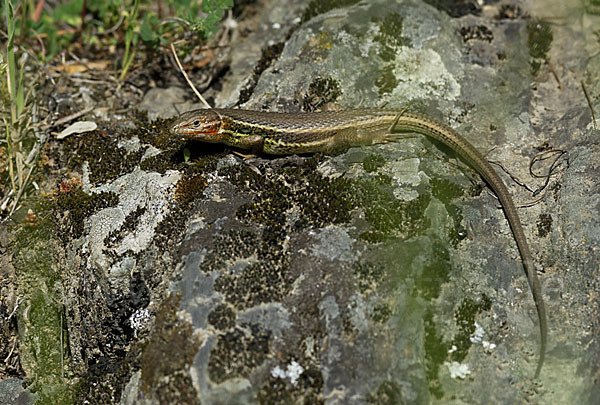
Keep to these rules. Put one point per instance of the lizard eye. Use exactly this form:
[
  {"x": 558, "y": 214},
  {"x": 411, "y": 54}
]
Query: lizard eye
[{"x": 196, "y": 123}]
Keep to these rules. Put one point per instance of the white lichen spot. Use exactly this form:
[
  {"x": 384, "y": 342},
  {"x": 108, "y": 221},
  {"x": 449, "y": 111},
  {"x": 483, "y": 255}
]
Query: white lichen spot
[
  {"x": 477, "y": 336},
  {"x": 488, "y": 346},
  {"x": 277, "y": 372},
  {"x": 293, "y": 372},
  {"x": 138, "y": 319},
  {"x": 457, "y": 370}
]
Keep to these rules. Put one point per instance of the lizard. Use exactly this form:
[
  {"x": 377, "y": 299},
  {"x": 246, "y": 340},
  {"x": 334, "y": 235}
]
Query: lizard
[{"x": 325, "y": 131}]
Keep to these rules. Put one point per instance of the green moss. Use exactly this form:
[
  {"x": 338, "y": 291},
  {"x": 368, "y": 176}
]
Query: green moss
[
  {"x": 230, "y": 246},
  {"x": 156, "y": 133},
  {"x": 258, "y": 283},
  {"x": 381, "y": 313},
  {"x": 317, "y": 7},
  {"x": 447, "y": 192},
  {"x": 436, "y": 349},
  {"x": 42, "y": 331},
  {"x": 299, "y": 187},
  {"x": 382, "y": 179},
  {"x": 436, "y": 352},
  {"x": 539, "y": 40},
  {"x": 390, "y": 36},
  {"x": 387, "y": 81},
  {"x": 373, "y": 162},
  {"x": 304, "y": 190},
  {"x": 262, "y": 281},
  {"x": 434, "y": 274},
  {"x": 189, "y": 188},
  {"x": 107, "y": 160},
  {"x": 390, "y": 217},
  {"x": 476, "y": 32},
  {"x": 276, "y": 391},
  {"x": 369, "y": 276},
  {"x": 592, "y": 7},
  {"x": 465, "y": 316}
]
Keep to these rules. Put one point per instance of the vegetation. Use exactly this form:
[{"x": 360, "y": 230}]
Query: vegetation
[
  {"x": 21, "y": 145},
  {"x": 34, "y": 34},
  {"x": 38, "y": 31}
]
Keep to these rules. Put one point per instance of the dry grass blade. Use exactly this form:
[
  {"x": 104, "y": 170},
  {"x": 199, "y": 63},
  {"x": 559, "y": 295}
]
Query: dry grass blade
[{"x": 187, "y": 79}]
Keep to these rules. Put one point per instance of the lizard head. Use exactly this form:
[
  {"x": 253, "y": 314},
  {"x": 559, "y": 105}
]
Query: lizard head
[{"x": 203, "y": 125}]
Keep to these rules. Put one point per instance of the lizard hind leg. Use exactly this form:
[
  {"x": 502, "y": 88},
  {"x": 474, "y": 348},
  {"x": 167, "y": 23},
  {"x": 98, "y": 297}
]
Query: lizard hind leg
[
  {"x": 391, "y": 136},
  {"x": 400, "y": 114},
  {"x": 397, "y": 136}
]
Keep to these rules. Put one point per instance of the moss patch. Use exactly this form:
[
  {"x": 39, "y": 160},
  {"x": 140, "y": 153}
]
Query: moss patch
[
  {"x": 42, "y": 330},
  {"x": 373, "y": 162},
  {"x": 170, "y": 351},
  {"x": 465, "y": 316},
  {"x": 436, "y": 352},
  {"x": 238, "y": 352},
  {"x": 299, "y": 187},
  {"x": 476, "y": 32},
  {"x": 222, "y": 317},
  {"x": 74, "y": 206},
  {"x": 544, "y": 225},
  {"x": 322, "y": 201},
  {"x": 189, "y": 188},
  {"x": 539, "y": 40},
  {"x": 448, "y": 192},
  {"x": 390, "y": 35},
  {"x": 390, "y": 217},
  {"x": 256, "y": 284},
  {"x": 317, "y": 7},
  {"x": 307, "y": 390},
  {"x": 369, "y": 276},
  {"x": 456, "y": 8},
  {"x": 386, "y": 82},
  {"x": 433, "y": 275},
  {"x": 105, "y": 159},
  {"x": 436, "y": 348},
  {"x": 321, "y": 91}
]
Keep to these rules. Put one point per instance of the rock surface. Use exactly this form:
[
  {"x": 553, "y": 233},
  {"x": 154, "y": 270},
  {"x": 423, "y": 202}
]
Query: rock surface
[{"x": 384, "y": 274}]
